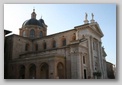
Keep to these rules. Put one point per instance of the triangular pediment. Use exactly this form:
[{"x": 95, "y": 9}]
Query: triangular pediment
[{"x": 96, "y": 28}]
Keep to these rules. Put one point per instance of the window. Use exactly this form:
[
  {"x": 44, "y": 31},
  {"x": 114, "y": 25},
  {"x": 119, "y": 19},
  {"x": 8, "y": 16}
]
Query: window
[
  {"x": 54, "y": 43},
  {"x": 32, "y": 33},
  {"x": 73, "y": 38},
  {"x": 44, "y": 45},
  {"x": 83, "y": 59},
  {"x": 41, "y": 34},
  {"x": 27, "y": 47},
  {"x": 24, "y": 34},
  {"x": 64, "y": 42}
]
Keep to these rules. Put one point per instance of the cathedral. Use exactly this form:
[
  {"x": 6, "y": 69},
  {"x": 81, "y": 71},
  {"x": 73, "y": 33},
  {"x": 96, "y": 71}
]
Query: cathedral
[{"x": 72, "y": 54}]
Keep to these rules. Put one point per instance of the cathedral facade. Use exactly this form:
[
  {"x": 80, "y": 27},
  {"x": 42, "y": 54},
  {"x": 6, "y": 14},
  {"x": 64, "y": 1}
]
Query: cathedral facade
[{"x": 73, "y": 54}]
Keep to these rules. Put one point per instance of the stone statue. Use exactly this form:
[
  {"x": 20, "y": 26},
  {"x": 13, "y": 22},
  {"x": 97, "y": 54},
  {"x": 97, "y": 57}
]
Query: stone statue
[
  {"x": 92, "y": 16},
  {"x": 86, "y": 16}
]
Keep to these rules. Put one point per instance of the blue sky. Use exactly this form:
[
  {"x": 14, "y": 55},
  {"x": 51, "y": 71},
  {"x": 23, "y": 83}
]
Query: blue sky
[{"x": 62, "y": 17}]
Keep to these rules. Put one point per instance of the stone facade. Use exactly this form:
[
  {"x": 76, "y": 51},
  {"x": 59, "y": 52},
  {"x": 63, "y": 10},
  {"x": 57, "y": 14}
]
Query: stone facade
[{"x": 72, "y": 54}]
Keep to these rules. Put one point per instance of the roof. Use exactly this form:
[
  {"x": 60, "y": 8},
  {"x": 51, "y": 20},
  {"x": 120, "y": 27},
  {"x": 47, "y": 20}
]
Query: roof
[
  {"x": 7, "y": 32},
  {"x": 34, "y": 21}
]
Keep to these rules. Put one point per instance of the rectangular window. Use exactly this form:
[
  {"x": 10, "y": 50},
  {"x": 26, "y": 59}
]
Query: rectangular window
[
  {"x": 83, "y": 59},
  {"x": 64, "y": 42}
]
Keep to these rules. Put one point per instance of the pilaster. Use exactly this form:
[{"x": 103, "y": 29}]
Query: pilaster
[
  {"x": 100, "y": 58},
  {"x": 90, "y": 54},
  {"x": 27, "y": 71},
  {"x": 37, "y": 71},
  {"x": 75, "y": 62},
  {"x": 52, "y": 72}
]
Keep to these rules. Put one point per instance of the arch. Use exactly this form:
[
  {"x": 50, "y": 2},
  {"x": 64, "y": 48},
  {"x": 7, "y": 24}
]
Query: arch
[
  {"x": 22, "y": 72},
  {"x": 27, "y": 46},
  {"x": 32, "y": 71},
  {"x": 53, "y": 43},
  {"x": 63, "y": 41},
  {"x": 41, "y": 34},
  {"x": 44, "y": 71},
  {"x": 60, "y": 70},
  {"x": 32, "y": 33}
]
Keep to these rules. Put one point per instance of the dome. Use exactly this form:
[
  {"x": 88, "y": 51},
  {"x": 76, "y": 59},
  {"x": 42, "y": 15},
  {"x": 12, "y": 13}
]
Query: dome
[
  {"x": 41, "y": 21},
  {"x": 32, "y": 21}
]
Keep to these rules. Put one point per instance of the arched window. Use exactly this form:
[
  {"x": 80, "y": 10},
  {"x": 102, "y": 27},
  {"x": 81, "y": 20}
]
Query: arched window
[
  {"x": 24, "y": 34},
  {"x": 64, "y": 42},
  {"x": 54, "y": 44},
  {"x": 41, "y": 34},
  {"x": 44, "y": 45},
  {"x": 26, "y": 47},
  {"x": 32, "y": 33},
  {"x": 36, "y": 47},
  {"x": 84, "y": 60}
]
